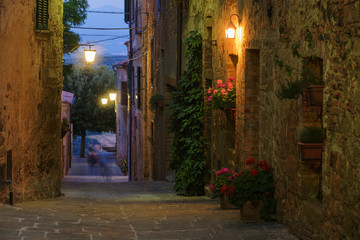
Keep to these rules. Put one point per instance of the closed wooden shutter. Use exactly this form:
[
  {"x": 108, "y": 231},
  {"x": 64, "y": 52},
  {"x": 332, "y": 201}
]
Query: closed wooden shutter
[
  {"x": 127, "y": 10},
  {"x": 42, "y": 16}
]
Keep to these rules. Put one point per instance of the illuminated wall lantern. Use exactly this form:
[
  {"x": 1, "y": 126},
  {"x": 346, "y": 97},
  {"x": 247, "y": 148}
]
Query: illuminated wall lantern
[
  {"x": 104, "y": 101},
  {"x": 230, "y": 30},
  {"x": 112, "y": 96},
  {"x": 90, "y": 55}
]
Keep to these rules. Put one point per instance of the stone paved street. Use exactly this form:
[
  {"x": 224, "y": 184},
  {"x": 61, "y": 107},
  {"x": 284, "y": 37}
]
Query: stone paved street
[{"x": 136, "y": 210}]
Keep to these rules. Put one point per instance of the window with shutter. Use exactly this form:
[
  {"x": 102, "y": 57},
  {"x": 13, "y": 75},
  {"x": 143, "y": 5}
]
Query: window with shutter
[
  {"x": 127, "y": 10},
  {"x": 42, "y": 15}
]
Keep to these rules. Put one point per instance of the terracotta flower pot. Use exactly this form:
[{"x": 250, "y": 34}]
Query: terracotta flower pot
[
  {"x": 249, "y": 211},
  {"x": 315, "y": 95},
  {"x": 310, "y": 151},
  {"x": 225, "y": 203}
]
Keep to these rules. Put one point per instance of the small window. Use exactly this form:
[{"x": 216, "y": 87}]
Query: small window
[
  {"x": 42, "y": 15},
  {"x": 124, "y": 96},
  {"x": 159, "y": 6},
  {"x": 138, "y": 76}
]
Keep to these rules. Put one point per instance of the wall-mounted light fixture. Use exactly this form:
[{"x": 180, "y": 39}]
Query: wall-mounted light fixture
[
  {"x": 230, "y": 30},
  {"x": 90, "y": 55}
]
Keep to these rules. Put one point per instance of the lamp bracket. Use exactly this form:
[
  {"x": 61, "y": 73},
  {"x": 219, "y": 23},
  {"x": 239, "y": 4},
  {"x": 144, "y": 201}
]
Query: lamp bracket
[{"x": 239, "y": 18}]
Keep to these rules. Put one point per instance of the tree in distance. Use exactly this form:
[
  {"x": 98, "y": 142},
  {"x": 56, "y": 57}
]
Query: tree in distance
[
  {"x": 89, "y": 85},
  {"x": 74, "y": 15}
]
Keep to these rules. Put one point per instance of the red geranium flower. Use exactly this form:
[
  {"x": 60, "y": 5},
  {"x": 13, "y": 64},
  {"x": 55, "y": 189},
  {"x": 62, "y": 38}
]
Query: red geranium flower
[
  {"x": 223, "y": 189},
  {"x": 253, "y": 172},
  {"x": 264, "y": 165},
  {"x": 250, "y": 161}
]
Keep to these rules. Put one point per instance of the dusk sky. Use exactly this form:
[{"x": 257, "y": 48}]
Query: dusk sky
[{"x": 112, "y": 47}]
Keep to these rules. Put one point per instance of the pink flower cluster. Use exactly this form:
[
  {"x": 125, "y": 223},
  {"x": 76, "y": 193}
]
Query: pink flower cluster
[
  {"x": 221, "y": 88},
  {"x": 223, "y": 171}
]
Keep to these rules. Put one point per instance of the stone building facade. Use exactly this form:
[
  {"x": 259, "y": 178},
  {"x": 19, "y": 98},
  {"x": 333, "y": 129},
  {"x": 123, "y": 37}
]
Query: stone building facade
[
  {"x": 315, "y": 201},
  {"x": 152, "y": 70},
  {"x": 67, "y": 140},
  {"x": 30, "y": 98}
]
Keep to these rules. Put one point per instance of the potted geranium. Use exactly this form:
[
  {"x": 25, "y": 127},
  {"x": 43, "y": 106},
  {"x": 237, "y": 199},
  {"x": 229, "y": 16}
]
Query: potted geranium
[
  {"x": 311, "y": 143},
  {"x": 254, "y": 192},
  {"x": 221, "y": 187},
  {"x": 223, "y": 96}
]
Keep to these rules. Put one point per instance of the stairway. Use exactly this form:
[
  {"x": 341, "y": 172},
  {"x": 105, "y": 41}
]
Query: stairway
[{"x": 80, "y": 172}]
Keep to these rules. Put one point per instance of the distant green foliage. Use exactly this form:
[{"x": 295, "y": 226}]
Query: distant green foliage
[
  {"x": 312, "y": 134},
  {"x": 89, "y": 85},
  {"x": 74, "y": 15},
  {"x": 187, "y": 120}
]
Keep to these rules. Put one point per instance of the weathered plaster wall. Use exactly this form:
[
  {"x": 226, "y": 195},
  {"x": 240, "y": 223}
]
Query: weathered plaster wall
[
  {"x": 30, "y": 93},
  {"x": 121, "y": 82},
  {"x": 271, "y": 27}
]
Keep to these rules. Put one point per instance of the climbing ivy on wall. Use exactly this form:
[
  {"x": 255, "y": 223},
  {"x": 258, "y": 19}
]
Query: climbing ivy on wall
[{"x": 187, "y": 119}]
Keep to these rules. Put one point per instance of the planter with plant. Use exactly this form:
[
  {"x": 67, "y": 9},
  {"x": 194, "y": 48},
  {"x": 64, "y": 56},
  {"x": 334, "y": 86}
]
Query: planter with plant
[
  {"x": 221, "y": 187},
  {"x": 124, "y": 166},
  {"x": 65, "y": 126},
  {"x": 223, "y": 96},
  {"x": 311, "y": 143},
  {"x": 156, "y": 100},
  {"x": 253, "y": 192},
  {"x": 310, "y": 77}
]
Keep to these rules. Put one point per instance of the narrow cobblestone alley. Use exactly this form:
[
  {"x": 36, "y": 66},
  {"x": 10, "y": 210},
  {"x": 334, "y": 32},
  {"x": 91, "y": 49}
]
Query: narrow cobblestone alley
[{"x": 135, "y": 210}]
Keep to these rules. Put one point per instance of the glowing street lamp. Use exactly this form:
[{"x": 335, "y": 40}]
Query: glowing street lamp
[
  {"x": 104, "y": 101},
  {"x": 230, "y": 30},
  {"x": 112, "y": 96},
  {"x": 90, "y": 55}
]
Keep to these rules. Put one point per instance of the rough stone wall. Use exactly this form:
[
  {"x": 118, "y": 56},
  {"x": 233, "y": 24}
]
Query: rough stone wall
[
  {"x": 165, "y": 50},
  {"x": 220, "y": 62},
  {"x": 151, "y": 143},
  {"x": 30, "y": 94},
  {"x": 142, "y": 153},
  {"x": 271, "y": 27}
]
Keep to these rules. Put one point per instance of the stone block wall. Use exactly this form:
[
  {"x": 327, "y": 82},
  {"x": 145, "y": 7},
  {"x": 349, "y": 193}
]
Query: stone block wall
[
  {"x": 271, "y": 27},
  {"x": 30, "y": 99}
]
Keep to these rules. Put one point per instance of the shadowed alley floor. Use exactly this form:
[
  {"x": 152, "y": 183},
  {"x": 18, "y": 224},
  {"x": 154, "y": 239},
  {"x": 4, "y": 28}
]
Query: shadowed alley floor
[{"x": 135, "y": 210}]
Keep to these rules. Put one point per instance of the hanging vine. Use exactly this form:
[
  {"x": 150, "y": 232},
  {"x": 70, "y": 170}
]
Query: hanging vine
[{"x": 187, "y": 120}]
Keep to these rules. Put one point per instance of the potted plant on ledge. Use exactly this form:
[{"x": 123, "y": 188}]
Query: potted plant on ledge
[
  {"x": 124, "y": 166},
  {"x": 311, "y": 143},
  {"x": 254, "y": 192},
  {"x": 309, "y": 79},
  {"x": 223, "y": 96},
  {"x": 221, "y": 187},
  {"x": 65, "y": 126},
  {"x": 156, "y": 100}
]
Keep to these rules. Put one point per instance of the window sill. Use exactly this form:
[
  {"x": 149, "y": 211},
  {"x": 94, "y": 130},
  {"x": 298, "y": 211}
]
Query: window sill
[{"x": 42, "y": 35}]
